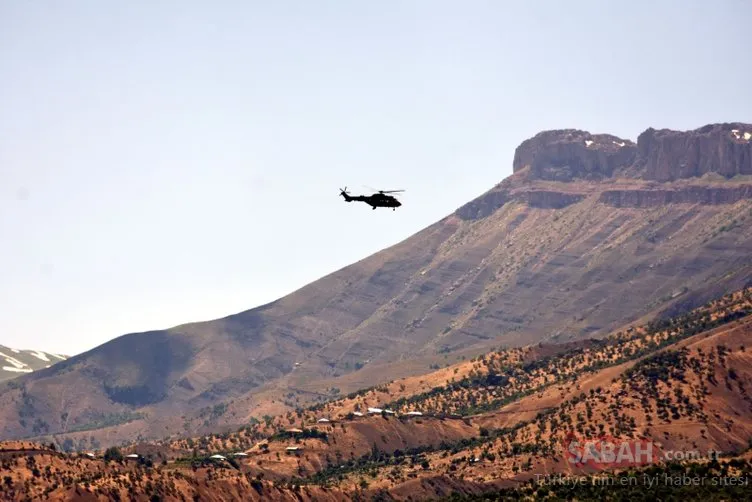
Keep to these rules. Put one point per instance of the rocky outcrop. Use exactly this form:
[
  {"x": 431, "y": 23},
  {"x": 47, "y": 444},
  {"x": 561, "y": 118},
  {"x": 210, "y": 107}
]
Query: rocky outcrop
[
  {"x": 547, "y": 199},
  {"x": 659, "y": 155},
  {"x": 688, "y": 195},
  {"x": 568, "y": 154},
  {"x": 483, "y": 206},
  {"x": 491, "y": 201},
  {"x": 666, "y": 155}
]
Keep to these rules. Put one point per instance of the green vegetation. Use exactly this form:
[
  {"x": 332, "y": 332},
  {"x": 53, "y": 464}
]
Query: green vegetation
[
  {"x": 714, "y": 481},
  {"x": 133, "y": 395},
  {"x": 305, "y": 434},
  {"x": 495, "y": 381},
  {"x": 113, "y": 454}
]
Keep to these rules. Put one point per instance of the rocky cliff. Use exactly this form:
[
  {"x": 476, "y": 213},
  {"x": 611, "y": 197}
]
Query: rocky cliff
[
  {"x": 661, "y": 155},
  {"x": 666, "y": 155},
  {"x": 685, "y": 195},
  {"x": 579, "y": 160},
  {"x": 564, "y": 155}
]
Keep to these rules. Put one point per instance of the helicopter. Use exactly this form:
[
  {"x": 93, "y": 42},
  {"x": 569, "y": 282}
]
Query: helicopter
[{"x": 378, "y": 199}]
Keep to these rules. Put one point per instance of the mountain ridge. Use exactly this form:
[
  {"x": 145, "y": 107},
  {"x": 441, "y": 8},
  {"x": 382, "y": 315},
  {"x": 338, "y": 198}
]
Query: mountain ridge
[
  {"x": 533, "y": 259},
  {"x": 659, "y": 154},
  {"x": 16, "y": 362}
]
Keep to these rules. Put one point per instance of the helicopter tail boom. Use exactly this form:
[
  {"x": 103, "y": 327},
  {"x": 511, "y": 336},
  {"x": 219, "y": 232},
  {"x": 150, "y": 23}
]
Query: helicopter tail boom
[{"x": 343, "y": 193}]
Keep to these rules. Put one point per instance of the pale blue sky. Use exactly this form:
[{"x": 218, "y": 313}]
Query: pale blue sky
[{"x": 175, "y": 161}]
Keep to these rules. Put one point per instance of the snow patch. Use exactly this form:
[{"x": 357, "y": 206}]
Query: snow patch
[
  {"x": 619, "y": 143},
  {"x": 588, "y": 142},
  {"x": 18, "y": 370},
  {"x": 39, "y": 355},
  {"x": 62, "y": 358},
  {"x": 746, "y": 136},
  {"x": 16, "y": 351},
  {"x": 15, "y": 362}
]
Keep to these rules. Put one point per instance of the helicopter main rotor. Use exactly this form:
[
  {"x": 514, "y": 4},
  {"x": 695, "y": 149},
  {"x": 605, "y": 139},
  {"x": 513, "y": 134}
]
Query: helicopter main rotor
[{"x": 381, "y": 191}]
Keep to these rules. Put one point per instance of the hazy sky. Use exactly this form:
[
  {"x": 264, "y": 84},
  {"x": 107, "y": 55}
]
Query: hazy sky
[{"x": 175, "y": 161}]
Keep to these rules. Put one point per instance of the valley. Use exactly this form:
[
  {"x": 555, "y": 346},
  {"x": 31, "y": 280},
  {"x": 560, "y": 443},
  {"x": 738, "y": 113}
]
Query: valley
[{"x": 506, "y": 420}]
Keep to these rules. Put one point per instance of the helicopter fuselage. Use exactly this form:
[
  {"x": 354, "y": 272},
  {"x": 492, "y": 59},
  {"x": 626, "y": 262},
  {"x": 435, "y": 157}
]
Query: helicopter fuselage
[{"x": 375, "y": 200}]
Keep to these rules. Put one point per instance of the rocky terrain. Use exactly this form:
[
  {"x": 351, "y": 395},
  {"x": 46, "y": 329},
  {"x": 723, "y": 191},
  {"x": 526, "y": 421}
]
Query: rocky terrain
[
  {"x": 661, "y": 155},
  {"x": 16, "y": 362},
  {"x": 590, "y": 235},
  {"x": 503, "y": 424}
]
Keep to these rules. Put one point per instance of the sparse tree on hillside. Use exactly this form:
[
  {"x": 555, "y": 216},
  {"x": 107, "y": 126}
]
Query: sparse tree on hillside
[{"x": 113, "y": 453}]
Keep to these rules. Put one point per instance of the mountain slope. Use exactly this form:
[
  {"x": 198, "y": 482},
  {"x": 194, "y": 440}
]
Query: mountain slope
[
  {"x": 16, "y": 362},
  {"x": 590, "y": 233},
  {"x": 678, "y": 389}
]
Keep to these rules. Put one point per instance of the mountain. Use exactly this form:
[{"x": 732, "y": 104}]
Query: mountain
[
  {"x": 666, "y": 399},
  {"x": 590, "y": 234},
  {"x": 16, "y": 362}
]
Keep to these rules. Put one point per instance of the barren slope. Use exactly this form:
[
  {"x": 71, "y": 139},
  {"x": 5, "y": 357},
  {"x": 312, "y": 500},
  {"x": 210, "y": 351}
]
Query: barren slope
[{"x": 539, "y": 257}]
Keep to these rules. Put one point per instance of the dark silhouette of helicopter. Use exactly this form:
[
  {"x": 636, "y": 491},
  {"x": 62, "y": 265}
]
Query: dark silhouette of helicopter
[{"x": 379, "y": 199}]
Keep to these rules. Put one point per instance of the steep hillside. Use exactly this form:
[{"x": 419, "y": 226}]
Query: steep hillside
[
  {"x": 590, "y": 234},
  {"x": 36, "y": 472},
  {"x": 678, "y": 389},
  {"x": 510, "y": 423},
  {"x": 16, "y": 362}
]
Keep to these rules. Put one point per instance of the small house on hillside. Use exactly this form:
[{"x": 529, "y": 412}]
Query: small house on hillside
[{"x": 293, "y": 449}]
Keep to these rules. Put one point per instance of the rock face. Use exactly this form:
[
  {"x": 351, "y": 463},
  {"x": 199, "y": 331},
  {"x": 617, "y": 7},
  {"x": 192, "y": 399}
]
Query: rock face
[
  {"x": 491, "y": 201},
  {"x": 666, "y": 155},
  {"x": 660, "y": 155},
  {"x": 564, "y": 155},
  {"x": 688, "y": 195}
]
